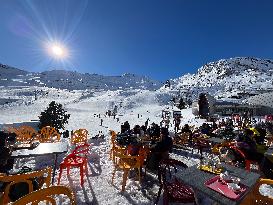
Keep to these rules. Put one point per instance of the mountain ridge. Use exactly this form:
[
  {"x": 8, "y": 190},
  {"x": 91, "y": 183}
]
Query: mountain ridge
[
  {"x": 222, "y": 78},
  {"x": 64, "y": 79},
  {"x": 228, "y": 76}
]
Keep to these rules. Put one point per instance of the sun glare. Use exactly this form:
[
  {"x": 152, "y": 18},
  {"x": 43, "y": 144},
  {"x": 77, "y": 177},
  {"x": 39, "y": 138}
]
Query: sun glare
[{"x": 57, "y": 50}]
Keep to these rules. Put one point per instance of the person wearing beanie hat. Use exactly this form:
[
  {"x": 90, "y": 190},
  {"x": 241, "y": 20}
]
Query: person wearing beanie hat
[{"x": 160, "y": 150}]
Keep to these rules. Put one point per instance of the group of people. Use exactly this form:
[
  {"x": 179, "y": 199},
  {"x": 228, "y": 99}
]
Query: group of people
[
  {"x": 251, "y": 141},
  {"x": 160, "y": 145}
]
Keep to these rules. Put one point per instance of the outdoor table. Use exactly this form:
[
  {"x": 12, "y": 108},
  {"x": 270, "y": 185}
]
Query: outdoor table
[
  {"x": 43, "y": 149},
  {"x": 215, "y": 140},
  {"x": 196, "y": 178}
]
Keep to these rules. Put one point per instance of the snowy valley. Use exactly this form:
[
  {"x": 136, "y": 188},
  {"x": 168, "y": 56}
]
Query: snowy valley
[{"x": 87, "y": 97}]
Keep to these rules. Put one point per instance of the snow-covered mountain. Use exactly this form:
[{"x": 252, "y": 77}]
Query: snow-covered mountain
[
  {"x": 229, "y": 77},
  {"x": 236, "y": 77},
  {"x": 73, "y": 80}
]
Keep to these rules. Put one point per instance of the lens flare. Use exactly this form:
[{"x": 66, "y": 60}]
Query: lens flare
[{"x": 57, "y": 50}]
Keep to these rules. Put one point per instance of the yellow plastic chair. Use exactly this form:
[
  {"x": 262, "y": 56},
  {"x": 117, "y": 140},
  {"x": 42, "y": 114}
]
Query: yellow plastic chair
[
  {"x": 114, "y": 147},
  {"x": 49, "y": 134},
  {"x": 182, "y": 139},
  {"x": 254, "y": 197},
  {"x": 216, "y": 148},
  {"x": 79, "y": 136},
  {"x": 24, "y": 133},
  {"x": 113, "y": 136},
  {"x": 27, "y": 178},
  {"x": 126, "y": 163},
  {"x": 46, "y": 194}
]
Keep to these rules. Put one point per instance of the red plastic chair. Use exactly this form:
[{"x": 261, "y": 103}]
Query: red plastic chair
[
  {"x": 82, "y": 150},
  {"x": 174, "y": 190},
  {"x": 78, "y": 158},
  {"x": 248, "y": 162}
]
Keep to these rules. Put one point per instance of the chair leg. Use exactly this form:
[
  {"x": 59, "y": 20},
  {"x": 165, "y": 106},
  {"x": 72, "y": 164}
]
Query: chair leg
[
  {"x": 247, "y": 162},
  {"x": 125, "y": 175},
  {"x": 60, "y": 175},
  {"x": 158, "y": 194},
  {"x": 139, "y": 175},
  {"x": 113, "y": 175},
  {"x": 81, "y": 173},
  {"x": 111, "y": 153},
  {"x": 86, "y": 168}
]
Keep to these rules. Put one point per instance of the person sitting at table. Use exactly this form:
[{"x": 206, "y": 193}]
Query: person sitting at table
[
  {"x": 6, "y": 163},
  {"x": 160, "y": 150},
  {"x": 125, "y": 127},
  {"x": 133, "y": 149},
  {"x": 205, "y": 129},
  {"x": 186, "y": 129},
  {"x": 154, "y": 132},
  {"x": 260, "y": 134},
  {"x": 247, "y": 144},
  {"x": 143, "y": 130},
  {"x": 222, "y": 123},
  {"x": 137, "y": 130}
]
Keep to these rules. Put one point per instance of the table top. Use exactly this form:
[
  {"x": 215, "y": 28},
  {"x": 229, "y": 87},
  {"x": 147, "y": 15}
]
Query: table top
[
  {"x": 216, "y": 140},
  {"x": 197, "y": 178},
  {"x": 42, "y": 149}
]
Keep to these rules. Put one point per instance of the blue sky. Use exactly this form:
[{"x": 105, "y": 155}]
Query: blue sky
[{"x": 160, "y": 39}]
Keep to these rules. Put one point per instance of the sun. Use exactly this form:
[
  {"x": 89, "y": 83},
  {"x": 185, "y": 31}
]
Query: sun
[{"x": 57, "y": 50}]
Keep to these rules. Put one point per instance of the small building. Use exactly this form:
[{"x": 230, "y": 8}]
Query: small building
[
  {"x": 258, "y": 105},
  {"x": 225, "y": 108}
]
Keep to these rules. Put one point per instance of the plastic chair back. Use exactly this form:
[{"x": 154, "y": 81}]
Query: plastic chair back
[
  {"x": 82, "y": 150},
  {"x": 26, "y": 177},
  {"x": 46, "y": 195},
  {"x": 49, "y": 134},
  {"x": 79, "y": 136},
  {"x": 25, "y": 134}
]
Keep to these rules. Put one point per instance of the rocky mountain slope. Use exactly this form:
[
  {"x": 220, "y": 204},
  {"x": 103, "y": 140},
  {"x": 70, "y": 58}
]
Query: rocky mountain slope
[
  {"x": 229, "y": 77},
  {"x": 73, "y": 80}
]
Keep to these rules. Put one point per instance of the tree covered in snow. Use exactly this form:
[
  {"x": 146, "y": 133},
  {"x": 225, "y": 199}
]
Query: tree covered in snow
[{"x": 54, "y": 116}]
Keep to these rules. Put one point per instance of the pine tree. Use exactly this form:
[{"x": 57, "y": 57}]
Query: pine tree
[
  {"x": 54, "y": 116},
  {"x": 181, "y": 104}
]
